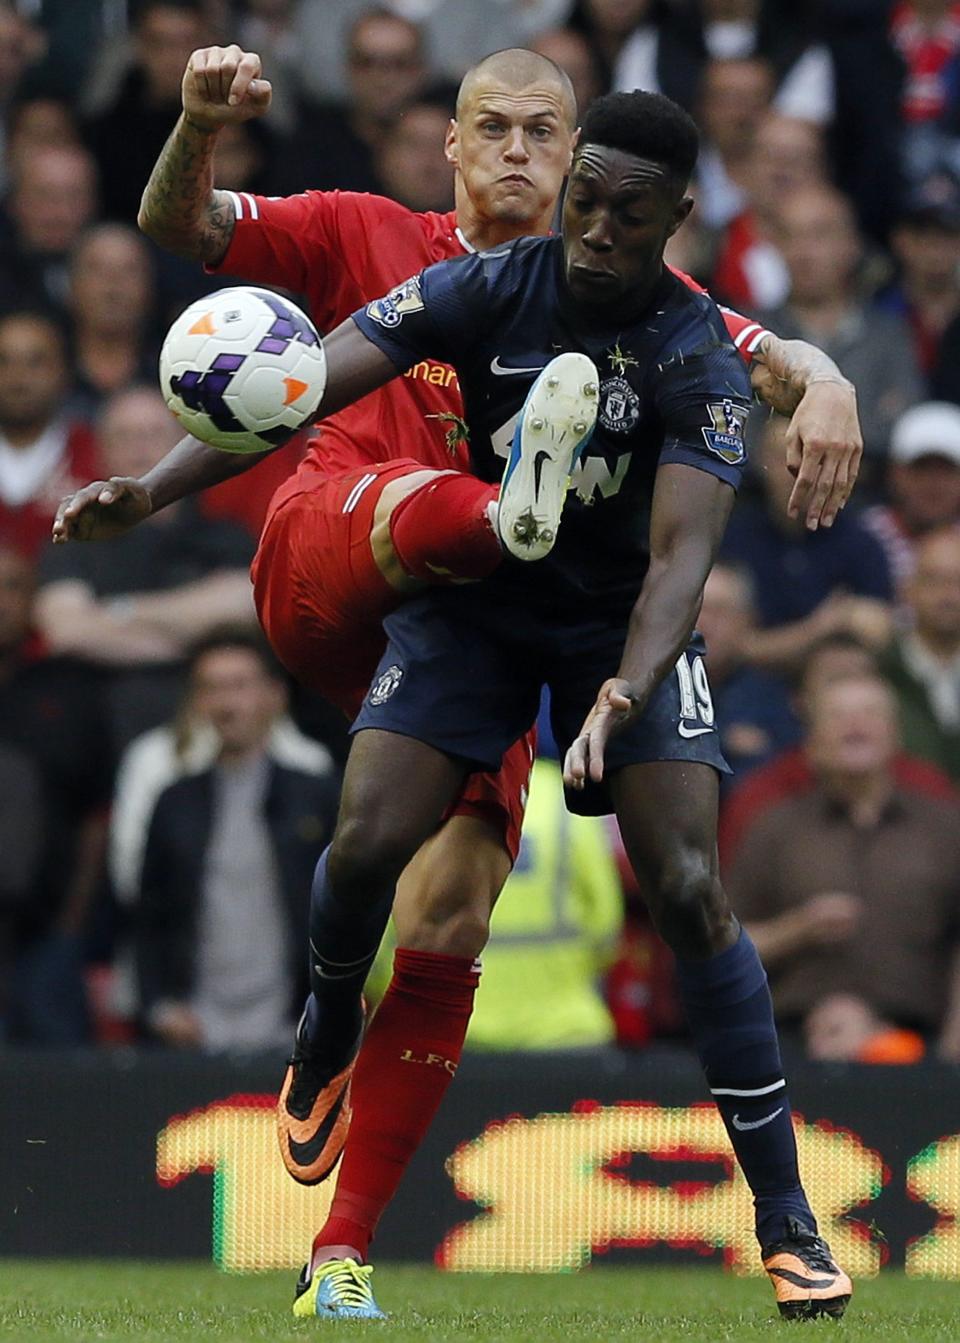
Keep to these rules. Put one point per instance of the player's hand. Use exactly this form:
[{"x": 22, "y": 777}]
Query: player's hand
[
  {"x": 824, "y": 447},
  {"x": 615, "y": 705},
  {"x": 101, "y": 510},
  {"x": 224, "y": 84}
]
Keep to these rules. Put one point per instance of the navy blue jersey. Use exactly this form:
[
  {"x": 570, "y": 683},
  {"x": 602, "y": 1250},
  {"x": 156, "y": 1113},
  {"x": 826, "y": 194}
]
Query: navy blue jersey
[{"x": 672, "y": 389}]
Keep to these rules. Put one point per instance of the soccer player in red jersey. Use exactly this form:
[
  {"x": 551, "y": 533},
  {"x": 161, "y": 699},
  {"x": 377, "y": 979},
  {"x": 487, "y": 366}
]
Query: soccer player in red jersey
[{"x": 382, "y": 504}]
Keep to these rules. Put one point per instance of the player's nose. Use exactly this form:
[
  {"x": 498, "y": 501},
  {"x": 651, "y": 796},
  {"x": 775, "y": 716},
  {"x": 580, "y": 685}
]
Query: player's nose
[
  {"x": 597, "y": 236},
  {"x": 515, "y": 149}
]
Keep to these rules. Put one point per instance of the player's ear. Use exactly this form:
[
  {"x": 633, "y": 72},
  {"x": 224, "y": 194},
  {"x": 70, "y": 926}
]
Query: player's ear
[
  {"x": 574, "y": 141},
  {"x": 451, "y": 143},
  {"x": 681, "y": 212}
]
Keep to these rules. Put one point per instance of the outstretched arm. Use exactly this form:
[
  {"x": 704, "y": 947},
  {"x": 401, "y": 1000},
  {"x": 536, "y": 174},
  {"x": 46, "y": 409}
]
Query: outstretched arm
[
  {"x": 690, "y": 511},
  {"x": 180, "y": 208},
  {"x": 106, "y": 508},
  {"x": 824, "y": 442}
]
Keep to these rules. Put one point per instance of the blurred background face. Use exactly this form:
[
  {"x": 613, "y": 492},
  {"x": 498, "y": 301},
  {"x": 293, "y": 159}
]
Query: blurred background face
[
  {"x": 734, "y": 96},
  {"x": 239, "y": 157},
  {"x": 777, "y": 480},
  {"x": 17, "y": 586},
  {"x": 935, "y": 588},
  {"x": 725, "y": 619},
  {"x": 412, "y": 165},
  {"x": 165, "y": 39},
  {"x": 853, "y": 729},
  {"x": 926, "y": 492},
  {"x": 110, "y": 280},
  {"x": 820, "y": 245},
  {"x": 135, "y": 431},
  {"x": 20, "y": 44},
  {"x": 385, "y": 66},
  {"x": 231, "y": 689},
  {"x": 40, "y": 123},
  {"x": 571, "y": 52},
  {"x": 830, "y": 663},
  {"x": 929, "y": 255},
  {"x": 615, "y": 19},
  {"x": 33, "y": 372},
  {"x": 786, "y": 154},
  {"x": 53, "y": 199}
]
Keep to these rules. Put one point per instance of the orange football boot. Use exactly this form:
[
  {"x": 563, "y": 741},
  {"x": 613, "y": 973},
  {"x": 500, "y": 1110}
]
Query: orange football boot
[
  {"x": 313, "y": 1114},
  {"x": 805, "y": 1278}
]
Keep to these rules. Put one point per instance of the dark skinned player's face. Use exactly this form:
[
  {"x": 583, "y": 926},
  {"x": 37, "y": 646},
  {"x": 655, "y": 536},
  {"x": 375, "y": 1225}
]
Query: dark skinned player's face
[{"x": 618, "y": 213}]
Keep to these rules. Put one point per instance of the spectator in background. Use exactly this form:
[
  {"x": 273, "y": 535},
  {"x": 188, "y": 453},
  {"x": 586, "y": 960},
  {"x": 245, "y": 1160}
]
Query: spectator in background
[
  {"x": 53, "y": 197},
  {"x": 43, "y": 454},
  {"x": 111, "y": 304},
  {"x": 457, "y": 34},
  {"x": 820, "y": 243},
  {"x": 411, "y": 164},
  {"x": 922, "y": 662},
  {"x": 134, "y": 605},
  {"x": 552, "y": 935},
  {"x": 336, "y": 144},
  {"x": 667, "y": 56},
  {"x": 229, "y": 859},
  {"x": 52, "y": 725},
  {"x": 753, "y": 713},
  {"x": 575, "y": 57},
  {"x": 922, "y": 485},
  {"x": 925, "y": 34},
  {"x": 926, "y": 244},
  {"x": 38, "y": 123},
  {"x": 836, "y": 657},
  {"x": 786, "y": 155},
  {"x": 268, "y": 27},
  {"x": 854, "y": 886},
  {"x": 22, "y": 45},
  {"x": 807, "y": 584},
  {"x": 607, "y": 25},
  {"x": 734, "y": 96},
  {"x": 127, "y": 136}
]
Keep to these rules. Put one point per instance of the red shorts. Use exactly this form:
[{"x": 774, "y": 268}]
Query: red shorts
[{"x": 321, "y": 597}]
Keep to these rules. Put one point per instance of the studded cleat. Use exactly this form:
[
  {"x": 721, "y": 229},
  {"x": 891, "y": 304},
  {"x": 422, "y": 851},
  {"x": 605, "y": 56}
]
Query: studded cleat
[
  {"x": 555, "y": 426},
  {"x": 313, "y": 1114},
  {"x": 338, "y": 1289},
  {"x": 805, "y": 1278}
]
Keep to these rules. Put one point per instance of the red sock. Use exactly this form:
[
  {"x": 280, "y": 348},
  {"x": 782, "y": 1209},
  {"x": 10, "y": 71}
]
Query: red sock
[
  {"x": 443, "y": 530},
  {"x": 408, "y": 1059}
]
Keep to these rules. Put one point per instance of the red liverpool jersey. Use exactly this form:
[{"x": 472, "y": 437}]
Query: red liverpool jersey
[{"x": 342, "y": 249}]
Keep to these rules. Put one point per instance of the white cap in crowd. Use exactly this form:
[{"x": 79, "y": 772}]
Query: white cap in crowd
[{"x": 931, "y": 429}]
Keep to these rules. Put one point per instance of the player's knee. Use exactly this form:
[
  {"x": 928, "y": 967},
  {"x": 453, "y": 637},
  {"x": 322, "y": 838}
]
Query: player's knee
[
  {"x": 367, "y": 854},
  {"x": 692, "y": 913}
]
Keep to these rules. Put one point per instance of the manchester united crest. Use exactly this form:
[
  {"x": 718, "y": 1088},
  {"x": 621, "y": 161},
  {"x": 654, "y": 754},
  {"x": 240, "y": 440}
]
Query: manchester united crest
[{"x": 619, "y": 406}]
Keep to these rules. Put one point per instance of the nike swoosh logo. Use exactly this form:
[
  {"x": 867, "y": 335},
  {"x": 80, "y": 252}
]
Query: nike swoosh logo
[
  {"x": 743, "y": 1125},
  {"x": 798, "y": 1280},
  {"x": 538, "y": 462},
  {"x": 692, "y": 731},
  {"x": 502, "y": 372}
]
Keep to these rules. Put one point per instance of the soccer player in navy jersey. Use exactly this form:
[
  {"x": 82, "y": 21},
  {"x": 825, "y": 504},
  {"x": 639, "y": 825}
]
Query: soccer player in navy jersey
[
  {"x": 612, "y": 606},
  {"x": 512, "y": 122}
]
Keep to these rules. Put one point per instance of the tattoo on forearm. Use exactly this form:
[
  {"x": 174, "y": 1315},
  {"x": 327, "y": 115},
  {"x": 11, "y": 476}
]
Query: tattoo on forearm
[{"x": 180, "y": 208}]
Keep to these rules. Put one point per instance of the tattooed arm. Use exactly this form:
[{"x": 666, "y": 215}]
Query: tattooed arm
[
  {"x": 181, "y": 210},
  {"x": 824, "y": 443}
]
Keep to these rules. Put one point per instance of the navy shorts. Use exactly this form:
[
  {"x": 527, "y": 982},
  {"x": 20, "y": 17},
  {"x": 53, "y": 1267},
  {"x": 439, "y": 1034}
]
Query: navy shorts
[{"x": 464, "y": 675}]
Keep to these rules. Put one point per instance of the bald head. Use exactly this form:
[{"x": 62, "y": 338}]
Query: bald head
[{"x": 514, "y": 69}]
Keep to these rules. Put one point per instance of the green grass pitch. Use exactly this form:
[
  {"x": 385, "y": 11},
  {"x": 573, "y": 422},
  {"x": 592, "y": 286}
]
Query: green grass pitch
[{"x": 150, "y": 1303}]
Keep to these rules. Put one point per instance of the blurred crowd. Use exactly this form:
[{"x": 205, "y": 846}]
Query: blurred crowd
[{"x": 164, "y": 792}]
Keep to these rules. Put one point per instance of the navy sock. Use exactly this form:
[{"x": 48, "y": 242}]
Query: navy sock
[
  {"x": 728, "y": 1007},
  {"x": 344, "y": 940}
]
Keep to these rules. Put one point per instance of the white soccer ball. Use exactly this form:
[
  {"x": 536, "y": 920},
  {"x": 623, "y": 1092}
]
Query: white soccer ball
[{"x": 243, "y": 369}]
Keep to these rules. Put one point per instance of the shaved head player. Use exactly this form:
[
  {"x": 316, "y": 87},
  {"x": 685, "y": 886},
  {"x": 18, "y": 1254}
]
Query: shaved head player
[{"x": 374, "y": 512}]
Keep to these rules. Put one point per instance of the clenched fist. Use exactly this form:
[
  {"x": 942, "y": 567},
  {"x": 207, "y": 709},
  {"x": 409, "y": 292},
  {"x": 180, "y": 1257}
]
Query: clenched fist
[{"x": 223, "y": 84}]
